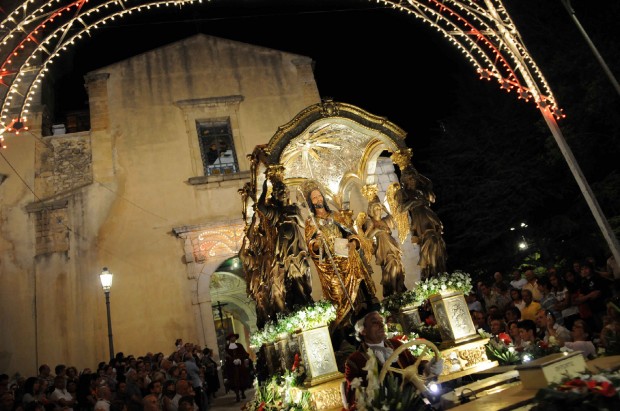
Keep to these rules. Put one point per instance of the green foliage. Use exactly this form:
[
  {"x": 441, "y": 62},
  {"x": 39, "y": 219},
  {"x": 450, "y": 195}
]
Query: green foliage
[{"x": 314, "y": 315}]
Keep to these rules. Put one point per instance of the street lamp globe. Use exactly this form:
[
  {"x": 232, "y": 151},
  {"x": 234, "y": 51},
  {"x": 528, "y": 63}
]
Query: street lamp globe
[{"x": 106, "y": 279}]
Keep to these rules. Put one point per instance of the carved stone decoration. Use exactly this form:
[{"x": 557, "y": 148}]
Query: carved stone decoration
[
  {"x": 325, "y": 397},
  {"x": 453, "y": 318},
  {"x": 318, "y": 356},
  {"x": 464, "y": 359},
  {"x": 410, "y": 319}
]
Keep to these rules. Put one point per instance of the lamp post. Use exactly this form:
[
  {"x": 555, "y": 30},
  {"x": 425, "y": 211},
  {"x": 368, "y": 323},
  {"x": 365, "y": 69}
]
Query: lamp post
[{"x": 106, "y": 283}]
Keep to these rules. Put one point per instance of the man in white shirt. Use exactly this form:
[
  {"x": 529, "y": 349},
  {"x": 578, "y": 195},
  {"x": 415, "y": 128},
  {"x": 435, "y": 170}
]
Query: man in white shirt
[
  {"x": 60, "y": 396},
  {"x": 517, "y": 280}
]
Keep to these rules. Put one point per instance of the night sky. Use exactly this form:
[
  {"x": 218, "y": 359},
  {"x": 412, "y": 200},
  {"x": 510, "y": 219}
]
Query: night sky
[
  {"x": 376, "y": 58},
  {"x": 390, "y": 64}
]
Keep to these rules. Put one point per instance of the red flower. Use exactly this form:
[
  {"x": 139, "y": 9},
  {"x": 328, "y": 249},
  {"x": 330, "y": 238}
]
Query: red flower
[
  {"x": 542, "y": 344},
  {"x": 296, "y": 362},
  {"x": 429, "y": 321},
  {"x": 572, "y": 384},
  {"x": 604, "y": 388},
  {"x": 505, "y": 338},
  {"x": 261, "y": 407}
]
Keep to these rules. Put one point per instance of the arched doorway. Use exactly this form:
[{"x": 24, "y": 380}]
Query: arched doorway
[{"x": 233, "y": 310}]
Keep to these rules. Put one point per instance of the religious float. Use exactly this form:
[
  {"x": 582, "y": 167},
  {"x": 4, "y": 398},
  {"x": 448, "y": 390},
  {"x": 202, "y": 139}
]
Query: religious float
[{"x": 334, "y": 200}]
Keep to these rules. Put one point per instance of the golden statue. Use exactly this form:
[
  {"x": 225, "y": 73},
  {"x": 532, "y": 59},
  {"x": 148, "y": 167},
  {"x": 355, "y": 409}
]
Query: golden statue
[
  {"x": 387, "y": 251},
  {"x": 334, "y": 247},
  {"x": 411, "y": 202},
  {"x": 289, "y": 271}
]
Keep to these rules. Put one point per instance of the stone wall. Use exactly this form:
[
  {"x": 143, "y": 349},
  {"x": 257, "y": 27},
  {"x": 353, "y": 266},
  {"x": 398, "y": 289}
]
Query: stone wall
[{"x": 64, "y": 163}]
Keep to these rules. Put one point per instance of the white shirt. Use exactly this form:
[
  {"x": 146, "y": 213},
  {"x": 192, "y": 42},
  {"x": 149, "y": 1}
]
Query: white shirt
[
  {"x": 586, "y": 347},
  {"x": 58, "y": 394},
  {"x": 381, "y": 351},
  {"x": 518, "y": 284}
]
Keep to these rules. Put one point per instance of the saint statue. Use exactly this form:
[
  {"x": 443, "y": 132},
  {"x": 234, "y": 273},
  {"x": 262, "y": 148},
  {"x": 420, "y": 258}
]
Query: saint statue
[
  {"x": 387, "y": 251},
  {"x": 334, "y": 247},
  {"x": 411, "y": 202}
]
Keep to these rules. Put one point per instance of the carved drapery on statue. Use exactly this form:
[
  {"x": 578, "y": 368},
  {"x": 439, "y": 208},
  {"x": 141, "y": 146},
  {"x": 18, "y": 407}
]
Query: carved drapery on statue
[
  {"x": 337, "y": 146},
  {"x": 411, "y": 202},
  {"x": 388, "y": 254},
  {"x": 275, "y": 253},
  {"x": 345, "y": 274}
]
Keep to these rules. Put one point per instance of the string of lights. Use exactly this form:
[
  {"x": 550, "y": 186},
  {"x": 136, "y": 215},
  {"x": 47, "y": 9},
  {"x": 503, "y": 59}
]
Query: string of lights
[{"x": 38, "y": 31}]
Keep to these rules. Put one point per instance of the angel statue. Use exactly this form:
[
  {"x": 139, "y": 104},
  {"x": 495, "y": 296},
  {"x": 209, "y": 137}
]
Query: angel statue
[
  {"x": 387, "y": 251},
  {"x": 410, "y": 202},
  {"x": 289, "y": 271},
  {"x": 253, "y": 252},
  {"x": 335, "y": 249}
]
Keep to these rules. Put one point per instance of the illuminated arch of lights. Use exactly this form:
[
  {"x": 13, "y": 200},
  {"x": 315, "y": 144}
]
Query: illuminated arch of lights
[{"x": 38, "y": 31}]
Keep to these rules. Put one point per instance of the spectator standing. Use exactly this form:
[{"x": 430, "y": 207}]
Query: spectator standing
[
  {"x": 31, "y": 389},
  {"x": 548, "y": 300},
  {"x": 193, "y": 374},
  {"x": 60, "y": 396},
  {"x": 472, "y": 302},
  {"x": 532, "y": 284},
  {"x": 104, "y": 398},
  {"x": 516, "y": 298},
  {"x": 518, "y": 281},
  {"x": 133, "y": 394},
  {"x": 237, "y": 366},
  {"x": 530, "y": 308},
  {"x": 593, "y": 293},
  {"x": 569, "y": 311},
  {"x": 212, "y": 377},
  {"x": 168, "y": 392}
]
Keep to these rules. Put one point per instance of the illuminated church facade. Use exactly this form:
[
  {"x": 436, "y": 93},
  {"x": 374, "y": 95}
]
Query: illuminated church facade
[{"x": 151, "y": 192}]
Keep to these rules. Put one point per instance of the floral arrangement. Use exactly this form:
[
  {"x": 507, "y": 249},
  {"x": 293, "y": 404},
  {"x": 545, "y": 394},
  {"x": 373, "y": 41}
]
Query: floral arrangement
[
  {"x": 320, "y": 313},
  {"x": 501, "y": 349},
  {"x": 384, "y": 395},
  {"x": 281, "y": 392},
  {"x": 445, "y": 282},
  {"x": 582, "y": 393}
]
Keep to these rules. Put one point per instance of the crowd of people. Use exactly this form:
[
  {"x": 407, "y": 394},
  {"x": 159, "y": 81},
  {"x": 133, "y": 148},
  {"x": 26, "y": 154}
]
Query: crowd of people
[
  {"x": 578, "y": 307},
  {"x": 185, "y": 380}
]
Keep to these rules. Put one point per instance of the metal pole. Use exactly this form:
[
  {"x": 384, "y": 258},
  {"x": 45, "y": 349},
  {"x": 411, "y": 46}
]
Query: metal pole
[
  {"x": 602, "y": 222},
  {"x": 110, "y": 339},
  {"x": 598, "y": 56}
]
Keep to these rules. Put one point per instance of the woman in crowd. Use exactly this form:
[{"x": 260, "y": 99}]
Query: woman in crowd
[
  {"x": 570, "y": 312},
  {"x": 31, "y": 391},
  {"x": 516, "y": 299},
  {"x": 212, "y": 377},
  {"x": 581, "y": 340}
]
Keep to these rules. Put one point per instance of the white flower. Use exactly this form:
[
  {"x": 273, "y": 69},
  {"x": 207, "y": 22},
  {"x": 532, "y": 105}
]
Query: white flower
[{"x": 373, "y": 377}]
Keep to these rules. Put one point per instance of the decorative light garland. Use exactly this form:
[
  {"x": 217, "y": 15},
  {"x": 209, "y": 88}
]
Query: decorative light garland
[{"x": 482, "y": 31}]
